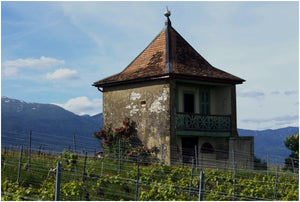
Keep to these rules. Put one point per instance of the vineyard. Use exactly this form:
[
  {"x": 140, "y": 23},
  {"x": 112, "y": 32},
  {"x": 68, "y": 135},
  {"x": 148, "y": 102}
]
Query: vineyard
[{"x": 34, "y": 177}]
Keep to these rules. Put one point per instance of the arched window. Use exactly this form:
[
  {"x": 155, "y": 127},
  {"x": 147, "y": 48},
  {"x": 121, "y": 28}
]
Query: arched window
[{"x": 207, "y": 148}]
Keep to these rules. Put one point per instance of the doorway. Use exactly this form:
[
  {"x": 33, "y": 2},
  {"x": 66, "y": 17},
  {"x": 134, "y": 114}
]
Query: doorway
[{"x": 188, "y": 149}]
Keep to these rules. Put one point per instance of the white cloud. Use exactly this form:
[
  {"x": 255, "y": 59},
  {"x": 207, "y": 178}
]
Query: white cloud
[
  {"x": 290, "y": 92},
  {"x": 41, "y": 63},
  {"x": 251, "y": 93},
  {"x": 10, "y": 68},
  {"x": 82, "y": 105},
  {"x": 275, "y": 93},
  {"x": 285, "y": 119},
  {"x": 63, "y": 74},
  {"x": 10, "y": 72},
  {"x": 273, "y": 122}
]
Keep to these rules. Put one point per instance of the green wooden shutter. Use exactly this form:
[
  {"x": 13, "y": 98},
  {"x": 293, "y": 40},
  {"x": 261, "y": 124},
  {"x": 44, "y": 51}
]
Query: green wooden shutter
[{"x": 204, "y": 101}]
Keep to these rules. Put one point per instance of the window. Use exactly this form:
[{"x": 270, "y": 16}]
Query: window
[
  {"x": 207, "y": 148},
  {"x": 204, "y": 101},
  {"x": 193, "y": 99},
  {"x": 189, "y": 103}
]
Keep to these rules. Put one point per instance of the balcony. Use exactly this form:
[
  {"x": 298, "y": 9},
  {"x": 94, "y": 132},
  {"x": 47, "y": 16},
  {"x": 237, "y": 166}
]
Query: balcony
[{"x": 199, "y": 122}]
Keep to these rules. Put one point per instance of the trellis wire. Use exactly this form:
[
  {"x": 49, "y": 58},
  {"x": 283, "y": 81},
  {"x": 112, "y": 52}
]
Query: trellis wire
[
  {"x": 31, "y": 150},
  {"x": 196, "y": 158},
  {"x": 84, "y": 165},
  {"x": 234, "y": 181},
  {"x": 292, "y": 160},
  {"x": 29, "y": 154},
  {"x": 58, "y": 138},
  {"x": 268, "y": 164},
  {"x": 137, "y": 178},
  {"x": 119, "y": 156},
  {"x": 138, "y": 161},
  {"x": 275, "y": 189},
  {"x": 74, "y": 144}
]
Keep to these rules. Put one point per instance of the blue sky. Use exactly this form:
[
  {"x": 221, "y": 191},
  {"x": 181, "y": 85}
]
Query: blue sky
[{"x": 52, "y": 52}]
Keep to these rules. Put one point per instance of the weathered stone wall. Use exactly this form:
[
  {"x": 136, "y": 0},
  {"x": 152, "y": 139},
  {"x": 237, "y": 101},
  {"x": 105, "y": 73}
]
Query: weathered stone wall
[
  {"x": 241, "y": 150},
  {"x": 148, "y": 105}
]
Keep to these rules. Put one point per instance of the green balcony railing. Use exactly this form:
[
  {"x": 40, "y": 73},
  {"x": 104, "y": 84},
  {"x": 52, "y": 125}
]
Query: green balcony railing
[{"x": 199, "y": 122}]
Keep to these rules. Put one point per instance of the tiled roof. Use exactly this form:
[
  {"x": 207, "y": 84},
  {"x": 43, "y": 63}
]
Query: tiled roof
[{"x": 169, "y": 55}]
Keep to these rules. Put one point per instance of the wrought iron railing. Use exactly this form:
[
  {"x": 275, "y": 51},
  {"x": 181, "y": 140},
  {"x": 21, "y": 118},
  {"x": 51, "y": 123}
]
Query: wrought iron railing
[{"x": 199, "y": 122}]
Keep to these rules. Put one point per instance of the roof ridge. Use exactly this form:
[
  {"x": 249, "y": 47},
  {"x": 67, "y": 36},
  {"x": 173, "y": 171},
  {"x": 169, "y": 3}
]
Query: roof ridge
[
  {"x": 169, "y": 59},
  {"x": 191, "y": 46}
]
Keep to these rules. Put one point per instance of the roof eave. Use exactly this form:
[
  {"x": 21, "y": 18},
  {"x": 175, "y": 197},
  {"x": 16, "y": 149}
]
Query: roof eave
[
  {"x": 170, "y": 75},
  {"x": 128, "y": 81},
  {"x": 207, "y": 79}
]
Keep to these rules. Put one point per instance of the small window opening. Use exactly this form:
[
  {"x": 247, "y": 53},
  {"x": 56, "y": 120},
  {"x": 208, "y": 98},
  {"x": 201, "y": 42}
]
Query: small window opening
[
  {"x": 207, "y": 148},
  {"x": 143, "y": 103}
]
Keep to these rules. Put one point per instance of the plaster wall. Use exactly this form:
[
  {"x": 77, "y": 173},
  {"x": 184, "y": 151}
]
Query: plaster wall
[
  {"x": 220, "y": 97},
  {"x": 148, "y": 105},
  {"x": 241, "y": 151},
  {"x": 217, "y": 159}
]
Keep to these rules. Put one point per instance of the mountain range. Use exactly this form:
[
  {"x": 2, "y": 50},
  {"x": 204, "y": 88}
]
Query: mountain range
[
  {"x": 53, "y": 128},
  {"x": 270, "y": 142}
]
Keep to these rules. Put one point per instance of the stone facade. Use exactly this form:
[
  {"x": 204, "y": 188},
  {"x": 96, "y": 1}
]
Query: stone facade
[{"x": 148, "y": 105}]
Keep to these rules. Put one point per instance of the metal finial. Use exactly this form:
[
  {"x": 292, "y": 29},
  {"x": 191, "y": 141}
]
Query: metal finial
[{"x": 167, "y": 13}]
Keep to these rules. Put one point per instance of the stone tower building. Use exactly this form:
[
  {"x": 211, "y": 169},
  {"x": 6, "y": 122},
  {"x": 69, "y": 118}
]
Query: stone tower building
[{"x": 179, "y": 100}]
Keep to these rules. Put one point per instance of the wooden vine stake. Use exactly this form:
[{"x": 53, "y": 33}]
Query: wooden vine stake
[
  {"x": 57, "y": 184},
  {"x": 201, "y": 187},
  {"x": 20, "y": 165},
  {"x": 191, "y": 180}
]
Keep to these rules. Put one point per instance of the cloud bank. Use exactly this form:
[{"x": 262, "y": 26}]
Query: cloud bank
[
  {"x": 63, "y": 74},
  {"x": 279, "y": 119},
  {"x": 251, "y": 93},
  {"x": 290, "y": 92},
  {"x": 11, "y": 68},
  {"x": 82, "y": 105}
]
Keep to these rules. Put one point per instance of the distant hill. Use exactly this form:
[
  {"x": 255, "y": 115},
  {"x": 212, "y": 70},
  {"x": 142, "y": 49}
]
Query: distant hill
[
  {"x": 270, "y": 142},
  {"x": 52, "y": 126},
  {"x": 97, "y": 119}
]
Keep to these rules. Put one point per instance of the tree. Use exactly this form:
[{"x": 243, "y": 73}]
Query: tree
[
  {"x": 259, "y": 165},
  {"x": 292, "y": 143}
]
